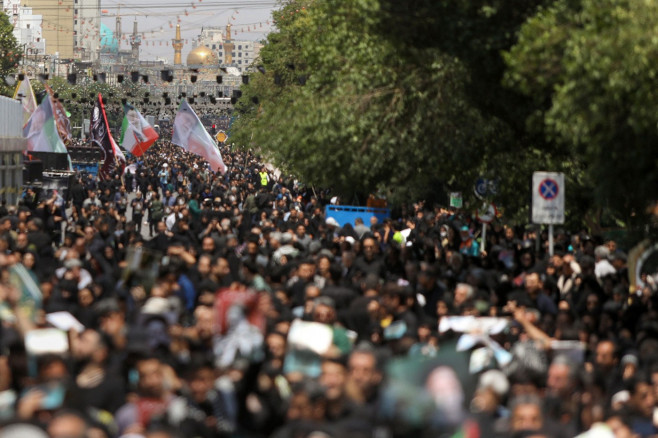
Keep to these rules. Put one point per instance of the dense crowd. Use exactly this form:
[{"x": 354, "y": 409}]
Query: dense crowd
[{"x": 208, "y": 305}]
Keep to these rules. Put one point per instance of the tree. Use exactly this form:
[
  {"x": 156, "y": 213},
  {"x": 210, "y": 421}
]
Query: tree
[
  {"x": 473, "y": 31},
  {"x": 476, "y": 32},
  {"x": 401, "y": 96},
  {"x": 10, "y": 54},
  {"x": 341, "y": 108},
  {"x": 417, "y": 98},
  {"x": 590, "y": 68}
]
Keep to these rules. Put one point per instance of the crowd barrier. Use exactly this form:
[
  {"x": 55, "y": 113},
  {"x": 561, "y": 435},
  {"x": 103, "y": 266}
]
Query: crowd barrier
[{"x": 345, "y": 214}]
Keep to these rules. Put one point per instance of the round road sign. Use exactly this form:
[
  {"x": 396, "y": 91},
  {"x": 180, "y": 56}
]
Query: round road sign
[
  {"x": 487, "y": 213},
  {"x": 548, "y": 189}
]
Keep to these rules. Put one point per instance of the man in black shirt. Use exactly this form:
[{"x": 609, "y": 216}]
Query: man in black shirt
[{"x": 369, "y": 262}]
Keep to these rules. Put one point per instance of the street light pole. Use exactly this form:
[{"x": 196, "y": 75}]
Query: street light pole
[{"x": 43, "y": 65}]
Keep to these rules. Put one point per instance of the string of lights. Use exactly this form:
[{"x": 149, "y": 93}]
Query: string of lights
[
  {"x": 149, "y": 35},
  {"x": 101, "y": 30},
  {"x": 177, "y": 5}
]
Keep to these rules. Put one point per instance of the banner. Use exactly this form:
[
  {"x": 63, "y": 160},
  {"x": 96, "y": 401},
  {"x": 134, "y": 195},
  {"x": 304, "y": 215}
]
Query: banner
[
  {"x": 41, "y": 132},
  {"x": 25, "y": 94},
  {"x": 100, "y": 135},
  {"x": 137, "y": 135},
  {"x": 190, "y": 134},
  {"x": 61, "y": 119}
]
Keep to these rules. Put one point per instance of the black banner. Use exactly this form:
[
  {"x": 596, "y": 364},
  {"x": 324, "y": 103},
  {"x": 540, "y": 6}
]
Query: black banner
[{"x": 100, "y": 135}]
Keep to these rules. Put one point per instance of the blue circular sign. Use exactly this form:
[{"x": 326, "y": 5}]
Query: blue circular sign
[
  {"x": 548, "y": 189},
  {"x": 481, "y": 187}
]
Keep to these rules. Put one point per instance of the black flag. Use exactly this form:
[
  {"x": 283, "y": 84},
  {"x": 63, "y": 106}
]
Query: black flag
[{"x": 113, "y": 159}]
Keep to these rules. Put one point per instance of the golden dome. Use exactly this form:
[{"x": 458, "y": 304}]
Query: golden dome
[{"x": 202, "y": 55}]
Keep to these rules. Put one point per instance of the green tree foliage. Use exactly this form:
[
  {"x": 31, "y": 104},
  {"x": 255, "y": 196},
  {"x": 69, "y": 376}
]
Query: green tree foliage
[
  {"x": 590, "y": 69},
  {"x": 401, "y": 96},
  {"x": 341, "y": 107},
  {"x": 475, "y": 32},
  {"x": 10, "y": 53}
]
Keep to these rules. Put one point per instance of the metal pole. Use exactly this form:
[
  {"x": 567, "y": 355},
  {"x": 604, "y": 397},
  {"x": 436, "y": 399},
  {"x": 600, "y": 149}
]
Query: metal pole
[
  {"x": 550, "y": 240},
  {"x": 484, "y": 238},
  {"x": 538, "y": 239}
]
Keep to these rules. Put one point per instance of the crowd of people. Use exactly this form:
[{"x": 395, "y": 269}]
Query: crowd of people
[{"x": 174, "y": 302}]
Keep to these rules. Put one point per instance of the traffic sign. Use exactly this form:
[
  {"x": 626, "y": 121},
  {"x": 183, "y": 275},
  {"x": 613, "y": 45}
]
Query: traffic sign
[
  {"x": 487, "y": 213},
  {"x": 548, "y": 189},
  {"x": 548, "y": 198},
  {"x": 486, "y": 187},
  {"x": 456, "y": 200},
  {"x": 493, "y": 186},
  {"x": 481, "y": 187},
  {"x": 221, "y": 136}
]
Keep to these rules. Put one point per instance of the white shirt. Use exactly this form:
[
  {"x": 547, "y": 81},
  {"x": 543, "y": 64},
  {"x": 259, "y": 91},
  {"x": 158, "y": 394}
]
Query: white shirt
[{"x": 603, "y": 268}]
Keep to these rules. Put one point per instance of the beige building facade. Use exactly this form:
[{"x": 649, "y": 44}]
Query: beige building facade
[{"x": 57, "y": 25}]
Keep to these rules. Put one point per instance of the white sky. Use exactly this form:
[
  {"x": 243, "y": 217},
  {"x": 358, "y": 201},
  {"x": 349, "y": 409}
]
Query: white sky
[{"x": 157, "y": 19}]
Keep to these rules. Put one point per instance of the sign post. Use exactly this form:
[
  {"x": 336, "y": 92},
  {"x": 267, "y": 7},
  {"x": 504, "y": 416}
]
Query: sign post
[
  {"x": 486, "y": 214},
  {"x": 548, "y": 201},
  {"x": 486, "y": 189},
  {"x": 456, "y": 200}
]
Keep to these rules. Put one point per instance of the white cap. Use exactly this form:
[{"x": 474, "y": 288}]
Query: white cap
[
  {"x": 332, "y": 222},
  {"x": 22, "y": 430},
  {"x": 156, "y": 306},
  {"x": 598, "y": 430},
  {"x": 496, "y": 381},
  {"x": 620, "y": 397}
]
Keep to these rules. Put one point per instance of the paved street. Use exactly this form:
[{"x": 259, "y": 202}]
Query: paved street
[{"x": 129, "y": 215}]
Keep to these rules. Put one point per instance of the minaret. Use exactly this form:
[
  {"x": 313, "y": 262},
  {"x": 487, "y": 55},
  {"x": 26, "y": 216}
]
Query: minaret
[
  {"x": 178, "y": 46},
  {"x": 228, "y": 46},
  {"x": 135, "y": 42},
  {"x": 117, "y": 33}
]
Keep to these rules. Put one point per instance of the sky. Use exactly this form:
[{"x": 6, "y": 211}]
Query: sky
[{"x": 157, "y": 19}]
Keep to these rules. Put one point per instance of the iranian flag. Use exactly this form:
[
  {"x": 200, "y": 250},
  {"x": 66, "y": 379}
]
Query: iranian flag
[
  {"x": 136, "y": 133},
  {"x": 190, "y": 134}
]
